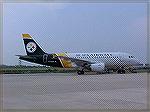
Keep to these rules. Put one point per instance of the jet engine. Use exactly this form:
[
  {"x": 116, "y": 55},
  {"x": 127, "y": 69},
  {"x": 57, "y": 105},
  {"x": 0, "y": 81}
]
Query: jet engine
[{"x": 98, "y": 67}]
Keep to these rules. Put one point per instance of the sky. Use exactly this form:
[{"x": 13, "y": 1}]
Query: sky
[{"x": 75, "y": 28}]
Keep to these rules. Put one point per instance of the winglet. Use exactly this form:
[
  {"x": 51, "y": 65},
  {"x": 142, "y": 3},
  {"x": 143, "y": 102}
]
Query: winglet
[{"x": 26, "y": 36}]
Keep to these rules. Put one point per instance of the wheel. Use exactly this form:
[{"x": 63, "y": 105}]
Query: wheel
[
  {"x": 80, "y": 72},
  {"x": 121, "y": 71}
]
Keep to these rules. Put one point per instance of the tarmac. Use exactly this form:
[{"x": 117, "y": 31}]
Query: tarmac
[{"x": 71, "y": 91}]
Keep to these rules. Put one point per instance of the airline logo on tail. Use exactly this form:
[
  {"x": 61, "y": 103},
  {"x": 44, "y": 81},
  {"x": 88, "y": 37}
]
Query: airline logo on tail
[{"x": 31, "y": 47}]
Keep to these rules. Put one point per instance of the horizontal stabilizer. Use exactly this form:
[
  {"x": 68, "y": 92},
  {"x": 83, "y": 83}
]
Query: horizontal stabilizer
[{"x": 19, "y": 55}]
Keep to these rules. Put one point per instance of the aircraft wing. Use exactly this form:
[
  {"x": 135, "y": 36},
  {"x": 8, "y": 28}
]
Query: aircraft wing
[{"x": 78, "y": 62}]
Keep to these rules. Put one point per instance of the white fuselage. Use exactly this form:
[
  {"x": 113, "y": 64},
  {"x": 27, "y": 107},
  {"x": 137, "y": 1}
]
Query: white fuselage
[{"x": 110, "y": 59}]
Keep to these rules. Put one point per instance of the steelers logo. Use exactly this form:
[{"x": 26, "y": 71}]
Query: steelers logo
[{"x": 31, "y": 47}]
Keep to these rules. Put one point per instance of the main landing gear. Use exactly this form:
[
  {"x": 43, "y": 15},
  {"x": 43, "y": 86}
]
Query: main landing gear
[
  {"x": 121, "y": 71},
  {"x": 80, "y": 72}
]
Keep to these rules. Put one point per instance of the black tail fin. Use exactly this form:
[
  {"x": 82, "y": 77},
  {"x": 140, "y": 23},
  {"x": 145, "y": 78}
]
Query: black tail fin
[{"x": 32, "y": 48}]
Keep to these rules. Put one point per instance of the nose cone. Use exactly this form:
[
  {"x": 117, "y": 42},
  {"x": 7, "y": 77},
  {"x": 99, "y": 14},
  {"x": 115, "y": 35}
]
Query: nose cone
[{"x": 136, "y": 62}]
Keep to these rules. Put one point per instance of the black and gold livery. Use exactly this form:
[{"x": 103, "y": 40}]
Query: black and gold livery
[
  {"x": 97, "y": 62},
  {"x": 36, "y": 55}
]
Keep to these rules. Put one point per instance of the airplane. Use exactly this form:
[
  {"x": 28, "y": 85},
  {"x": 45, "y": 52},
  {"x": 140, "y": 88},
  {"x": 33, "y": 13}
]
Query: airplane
[{"x": 97, "y": 62}]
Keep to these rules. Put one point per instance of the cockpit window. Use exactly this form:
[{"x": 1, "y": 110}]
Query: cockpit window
[{"x": 131, "y": 57}]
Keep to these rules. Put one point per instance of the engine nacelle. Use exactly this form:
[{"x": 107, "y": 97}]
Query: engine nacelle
[{"x": 98, "y": 67}]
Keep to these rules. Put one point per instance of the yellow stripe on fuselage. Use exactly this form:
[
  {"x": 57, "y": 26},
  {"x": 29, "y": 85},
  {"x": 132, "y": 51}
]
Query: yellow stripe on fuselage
[
  {"x": 61, "y": 54},
  {"x": 66, "y": 63}
]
